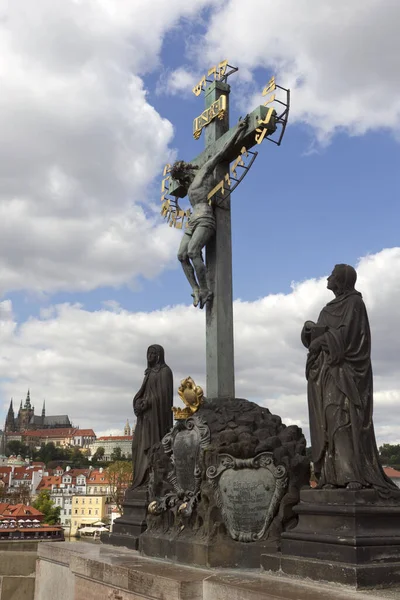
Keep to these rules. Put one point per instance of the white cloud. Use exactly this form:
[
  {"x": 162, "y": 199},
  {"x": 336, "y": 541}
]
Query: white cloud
[
  {"x": 340, "y": 58},
  {"x": 80, "y": 142},
  {"x": 90, "y": 364},
  {"x": 180, "y": 81}
]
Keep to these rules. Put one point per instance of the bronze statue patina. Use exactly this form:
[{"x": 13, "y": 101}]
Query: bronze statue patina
[
  {"x": 340, "y": 394},
  {"x": 152, "y": 406},
  {"x": 201, "y": 226}
]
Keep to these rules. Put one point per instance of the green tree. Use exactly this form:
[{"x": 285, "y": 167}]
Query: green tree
[
  {"x": 77, "y": 458},
  {"x": 46, "y": 505},
  {"x": 15, "y": 447},
  {"x": 390, "y": 455},
  {"x": 119, "y": 476},
  {"x": 116, "y": 454},
  {"x": 99, "y": 454}
]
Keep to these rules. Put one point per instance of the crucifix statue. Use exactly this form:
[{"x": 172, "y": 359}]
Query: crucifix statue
[
  {"x": 209, "y": 222},
  {"x": 201, "y": 225}
]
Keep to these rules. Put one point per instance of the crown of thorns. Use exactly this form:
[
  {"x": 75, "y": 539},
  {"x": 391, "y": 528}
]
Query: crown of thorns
[{"x": 180, "y": 167}]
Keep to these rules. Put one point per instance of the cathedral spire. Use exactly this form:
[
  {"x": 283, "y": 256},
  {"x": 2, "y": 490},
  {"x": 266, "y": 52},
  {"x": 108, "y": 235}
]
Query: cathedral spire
[
  {"x": 28, "y": 400},
  {"x": 10, "y": 419},
  {"x": 127, "y": 428},
  {"x": 44, "y": 409}
]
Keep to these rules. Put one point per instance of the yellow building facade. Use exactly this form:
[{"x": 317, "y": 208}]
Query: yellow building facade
[{"x": 87, "y": 509}]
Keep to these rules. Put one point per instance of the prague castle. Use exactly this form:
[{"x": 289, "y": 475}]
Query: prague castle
[{"x": 27, "y": 420}]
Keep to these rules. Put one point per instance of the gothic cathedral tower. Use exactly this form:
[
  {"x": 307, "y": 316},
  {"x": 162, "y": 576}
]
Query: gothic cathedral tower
[{"x": 25, "y": 414}]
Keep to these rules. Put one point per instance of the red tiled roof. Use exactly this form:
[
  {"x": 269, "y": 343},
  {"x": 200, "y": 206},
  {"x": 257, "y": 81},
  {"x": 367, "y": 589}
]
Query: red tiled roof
[
  {"x": 47, "y": 482},
  {"x": 48, "y": 433},
  {"x": 87, "y": 432},
  {"x": 77, "y": 472},
  {"x": 97, "y": 478},
  {"x": 20, "y": 510},
  {"x": 114, "y": 438},
  {"x": 392, "y": 473}
]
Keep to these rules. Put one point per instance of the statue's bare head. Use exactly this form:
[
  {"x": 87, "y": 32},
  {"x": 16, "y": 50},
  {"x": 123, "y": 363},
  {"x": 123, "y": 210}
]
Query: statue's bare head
[{"x": 183, "y": 172}]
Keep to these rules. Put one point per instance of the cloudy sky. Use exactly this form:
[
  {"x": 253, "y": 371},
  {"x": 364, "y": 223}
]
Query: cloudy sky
[{"x": 95, "y": 99}]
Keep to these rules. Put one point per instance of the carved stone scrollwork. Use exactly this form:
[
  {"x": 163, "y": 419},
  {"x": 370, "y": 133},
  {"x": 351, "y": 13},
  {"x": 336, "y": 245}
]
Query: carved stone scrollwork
[
  {"x": 248, "y": 492},
  {"x": 185, "y": 445}
]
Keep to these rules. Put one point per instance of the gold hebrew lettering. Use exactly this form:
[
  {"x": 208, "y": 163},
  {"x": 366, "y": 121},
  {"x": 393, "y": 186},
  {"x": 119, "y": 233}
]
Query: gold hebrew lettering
[
  {"x": 165, "y": 207},
  {"x": 238, "y": 161},
  {"x": 260, "y": 135},
  {"x": 219, "y": 186},
  {"x": 267, "y": 117},
  {"x": 270, "y": 99},
  {"x": 222, "y": 68},
  {"x": 270, "y": 87},
  {"x": 198, "y": 87},
  {"x": 211, "y": 71},
  {"x": 163, "y": 188}
]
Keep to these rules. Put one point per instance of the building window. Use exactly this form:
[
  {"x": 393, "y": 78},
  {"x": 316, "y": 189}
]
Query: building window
[
  {"x": 90, "y": 511},
  {"x": 76, "y": 511},
  {"x": 97, "y": 512}
]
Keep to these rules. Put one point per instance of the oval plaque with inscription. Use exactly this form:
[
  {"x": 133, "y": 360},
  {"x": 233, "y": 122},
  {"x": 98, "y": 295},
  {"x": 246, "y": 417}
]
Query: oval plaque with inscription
[
  {"x": 185, "y": 444},
  {"x": 248, "y": 492}
]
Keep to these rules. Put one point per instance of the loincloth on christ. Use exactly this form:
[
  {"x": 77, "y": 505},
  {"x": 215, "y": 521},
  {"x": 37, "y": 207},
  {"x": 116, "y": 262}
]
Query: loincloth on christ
[{"x": 202, "y": 216}]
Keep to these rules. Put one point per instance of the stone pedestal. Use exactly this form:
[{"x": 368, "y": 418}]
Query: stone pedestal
[
  {"x": 351, "y": 537},
  {"x": 189, "y": 550},
  {"x": 127, "y": 529}
]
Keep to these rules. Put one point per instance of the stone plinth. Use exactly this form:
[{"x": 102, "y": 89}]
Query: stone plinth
[
  {"x": 89, "y": 571},
  {"x": 127, "y": 529},
  {"x": 351, "y": 537},
  {"x": 189, "y": 550}
]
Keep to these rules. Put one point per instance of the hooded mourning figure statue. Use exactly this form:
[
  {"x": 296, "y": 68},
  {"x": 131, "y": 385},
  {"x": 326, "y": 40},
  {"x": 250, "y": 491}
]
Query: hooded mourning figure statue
[
  {"x": 340, "y": 394},
  {"x": 152, "y": 406}
]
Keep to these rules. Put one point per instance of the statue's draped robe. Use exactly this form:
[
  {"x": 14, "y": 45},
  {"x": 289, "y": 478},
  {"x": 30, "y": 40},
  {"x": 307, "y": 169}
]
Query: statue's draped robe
[
  {"x": 153, "y": 423},
  {"x": 340, "y": 398}
]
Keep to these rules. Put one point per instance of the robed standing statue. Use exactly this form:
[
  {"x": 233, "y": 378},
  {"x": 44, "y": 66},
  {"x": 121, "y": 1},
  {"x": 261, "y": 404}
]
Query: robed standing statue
[
  {"x": 152, "y": 406},
  {"x": 340, "y": 394}
]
